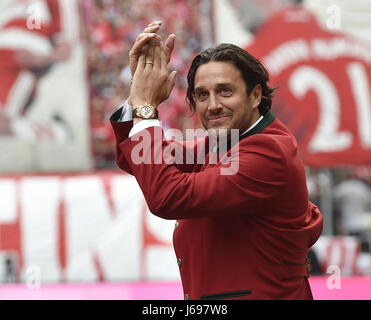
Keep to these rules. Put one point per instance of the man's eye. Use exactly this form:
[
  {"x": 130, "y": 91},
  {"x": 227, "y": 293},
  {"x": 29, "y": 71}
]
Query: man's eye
[
  {"x": 225, "y": 91},
  {"x": 202, "y": 94}
]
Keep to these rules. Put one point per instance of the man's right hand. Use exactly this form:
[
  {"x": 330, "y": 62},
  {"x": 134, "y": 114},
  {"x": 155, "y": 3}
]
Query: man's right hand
[
  {"x": 143, "y": 39},
  {"x": 152, "y": 82}
]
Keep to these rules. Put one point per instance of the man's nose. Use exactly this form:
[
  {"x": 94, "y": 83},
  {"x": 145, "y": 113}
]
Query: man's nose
[{"x": 214, "y": 105}]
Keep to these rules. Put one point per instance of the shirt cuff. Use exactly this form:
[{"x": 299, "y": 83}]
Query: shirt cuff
[
  {"x": 144, "y": 124},
  {"x": 127, "y": 111}
]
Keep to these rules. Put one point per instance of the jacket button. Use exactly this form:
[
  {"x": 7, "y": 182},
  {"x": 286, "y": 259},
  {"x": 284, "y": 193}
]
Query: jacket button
[
  {"x": 186, "y": 296},
  {"x": 179, "y": 261},
  {"x": 176, "y": 225}
]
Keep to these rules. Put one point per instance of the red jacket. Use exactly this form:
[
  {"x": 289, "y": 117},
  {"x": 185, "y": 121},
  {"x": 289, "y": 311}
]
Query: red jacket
[{"x": 243, "y": 235}]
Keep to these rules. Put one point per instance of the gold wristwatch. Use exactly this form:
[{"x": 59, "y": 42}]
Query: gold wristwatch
[{"x": 145, "y": 111}]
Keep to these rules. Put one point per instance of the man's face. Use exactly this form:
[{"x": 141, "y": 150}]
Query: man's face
[{"x": 221, "y": 98}]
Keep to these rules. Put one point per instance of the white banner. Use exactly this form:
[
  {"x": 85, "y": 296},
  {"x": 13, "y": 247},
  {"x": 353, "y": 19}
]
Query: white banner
[
  {"x": 83, "y": 228},
  {"x": 97, "y": 227}
]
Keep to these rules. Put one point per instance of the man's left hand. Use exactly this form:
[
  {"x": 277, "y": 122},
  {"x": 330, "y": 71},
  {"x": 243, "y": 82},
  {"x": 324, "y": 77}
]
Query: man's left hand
[{"x": 152, "y": 82}]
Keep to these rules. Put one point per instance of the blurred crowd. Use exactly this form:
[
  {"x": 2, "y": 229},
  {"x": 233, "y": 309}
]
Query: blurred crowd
[
  {"x": 110, "y": 29},
  {"x": 347, "y": 193}
]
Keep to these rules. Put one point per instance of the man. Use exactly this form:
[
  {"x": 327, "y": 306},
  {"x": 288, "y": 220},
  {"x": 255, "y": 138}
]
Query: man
[{"x": 240, "y": 235}]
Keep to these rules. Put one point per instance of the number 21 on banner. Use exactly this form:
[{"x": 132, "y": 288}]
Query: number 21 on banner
[{"x": 327, "y": 138}]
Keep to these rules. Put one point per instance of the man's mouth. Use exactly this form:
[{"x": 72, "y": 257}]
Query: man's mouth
[{"x": 217, "y": 118}]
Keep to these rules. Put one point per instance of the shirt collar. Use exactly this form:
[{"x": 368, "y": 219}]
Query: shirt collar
[
  {"x": 259, "y": 125},
  {"x": 253, "y": 126}
]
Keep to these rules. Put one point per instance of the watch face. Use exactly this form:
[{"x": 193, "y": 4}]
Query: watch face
[{"x": 146, "y": 111}]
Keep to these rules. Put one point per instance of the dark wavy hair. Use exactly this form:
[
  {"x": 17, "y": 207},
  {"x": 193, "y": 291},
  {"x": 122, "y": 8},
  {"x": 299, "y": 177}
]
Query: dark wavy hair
[{"x": 252, "y": 71}]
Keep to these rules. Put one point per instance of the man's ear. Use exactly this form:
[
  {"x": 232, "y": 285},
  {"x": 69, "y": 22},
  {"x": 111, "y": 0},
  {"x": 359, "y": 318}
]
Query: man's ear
[{"x": 256, "y": 96}]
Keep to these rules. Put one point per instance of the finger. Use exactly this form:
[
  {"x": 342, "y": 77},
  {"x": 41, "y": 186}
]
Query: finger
[
  {"x": 169, "y": 46},
  {"x": 157, "y": 54},
  {"x": 163, "y": 58},
  {"x": 153, "y": 23},
  {"x": 171, "y": 82},
  {"x": 141, "y": 41},
  {"x": 144, "y": 35},
  {"x": 150, "y": 57},
  {"x": 152, "y": 29},
  {"x": 142, "y": 57},
  {"x": 137, "y": 49}
]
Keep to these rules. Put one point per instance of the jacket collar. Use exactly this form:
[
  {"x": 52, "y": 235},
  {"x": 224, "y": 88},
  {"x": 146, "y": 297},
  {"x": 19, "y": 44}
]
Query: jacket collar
[{"x": 265, "y": 122}]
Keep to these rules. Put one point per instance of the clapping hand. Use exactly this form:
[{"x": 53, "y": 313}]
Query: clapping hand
[
  {"x": 143, "y": 39},
  {"x": 149, "y": 57}
]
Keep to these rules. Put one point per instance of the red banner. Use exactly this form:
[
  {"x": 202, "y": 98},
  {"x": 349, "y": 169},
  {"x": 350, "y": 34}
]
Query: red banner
[{"x": 324, "y": 91}]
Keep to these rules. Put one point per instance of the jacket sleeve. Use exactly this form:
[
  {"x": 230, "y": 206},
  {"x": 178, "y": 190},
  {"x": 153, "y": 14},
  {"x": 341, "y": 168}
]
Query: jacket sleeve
[
  {"x": 187, "y": 151},
  {"x": 171, "y": 193},
  {"x": 121, "y": 131}
]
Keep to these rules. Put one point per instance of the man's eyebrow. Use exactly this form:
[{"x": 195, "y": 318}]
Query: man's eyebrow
[
  {"x": 199, "y": 88},
  {"x": 222, "y": 84}
]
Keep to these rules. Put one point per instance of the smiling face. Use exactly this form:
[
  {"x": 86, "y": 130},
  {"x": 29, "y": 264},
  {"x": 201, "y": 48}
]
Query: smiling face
[{"x": 222, "y": 100}]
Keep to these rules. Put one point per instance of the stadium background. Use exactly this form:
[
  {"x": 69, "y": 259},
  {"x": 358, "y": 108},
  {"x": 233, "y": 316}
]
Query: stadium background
[{"x": 73, "y": 226}]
